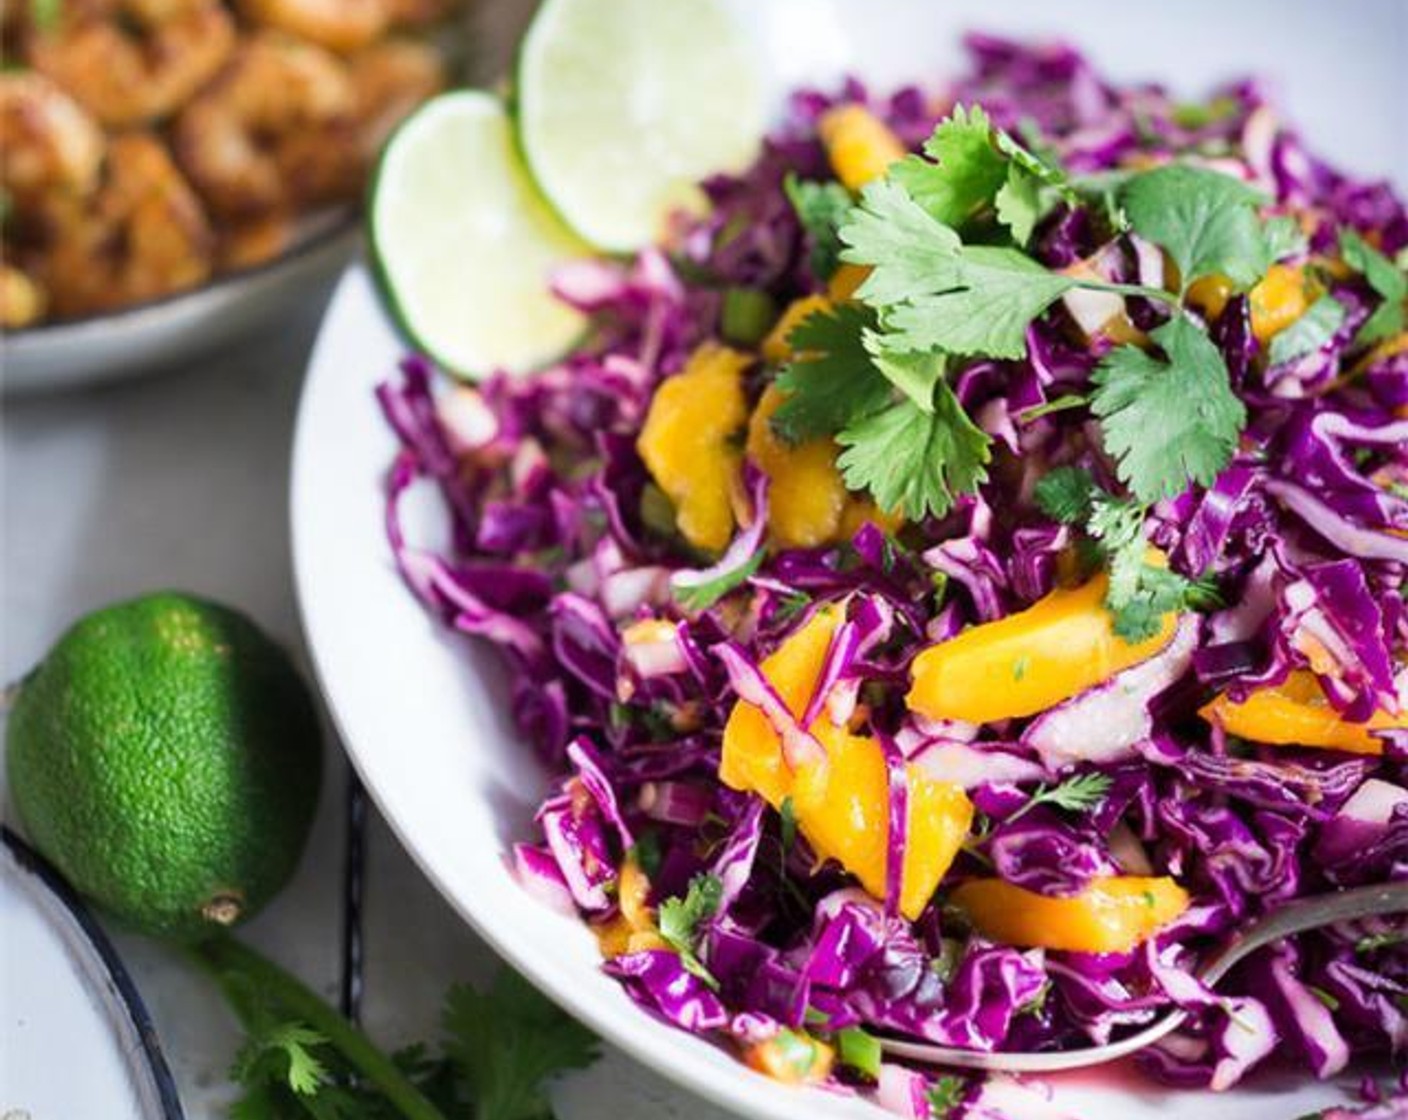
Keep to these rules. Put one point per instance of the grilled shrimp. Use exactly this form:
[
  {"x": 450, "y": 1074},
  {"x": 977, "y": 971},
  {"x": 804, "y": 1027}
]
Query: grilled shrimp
[
  {"x": 22, "y": 300},
  {"x": 275, "y": 131},
  {"x": 133, "y": 61},
  {"x": 338, "y": 25},
  {"x": 143, "y": 234},
  {"x": 420, "y": 13},
  {"x": 390, "y": 79},
  {"x": 50, "y": 142}
]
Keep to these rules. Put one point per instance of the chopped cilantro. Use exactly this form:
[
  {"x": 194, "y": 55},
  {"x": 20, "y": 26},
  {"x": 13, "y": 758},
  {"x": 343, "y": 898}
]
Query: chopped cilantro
[
  {"x": 1387, "y": 280},
  {"x": 680, "y": 918},
  {"x": 1140, "y": 593},
  {"x": 1310, "y": 332},
  {"x": 947, "y": 1095},
  {"x": 820, "y": 208},
  {"x": 787, "y": 825},
  {"x": 859, "y": 1050},
  {"x": 1284, "y": 238},
  {"x": 702, "y": 596}
]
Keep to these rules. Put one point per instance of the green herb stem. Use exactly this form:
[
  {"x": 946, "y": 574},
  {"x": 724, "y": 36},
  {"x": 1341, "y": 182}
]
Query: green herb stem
[{"x": 227, "y": 961}]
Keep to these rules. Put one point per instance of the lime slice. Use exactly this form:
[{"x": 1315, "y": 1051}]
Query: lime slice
[
  {"x": 623, "y": 105},
  {"x": 463, "y": 244}
]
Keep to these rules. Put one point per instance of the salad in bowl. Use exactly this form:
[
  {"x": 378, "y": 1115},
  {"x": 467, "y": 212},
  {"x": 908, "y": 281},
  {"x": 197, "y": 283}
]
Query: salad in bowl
[{"x": 958, "y": 579}]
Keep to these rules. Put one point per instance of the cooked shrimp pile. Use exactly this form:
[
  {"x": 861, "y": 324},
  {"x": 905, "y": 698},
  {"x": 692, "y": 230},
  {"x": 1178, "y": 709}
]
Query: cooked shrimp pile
[{"x": 151, "y": 144}]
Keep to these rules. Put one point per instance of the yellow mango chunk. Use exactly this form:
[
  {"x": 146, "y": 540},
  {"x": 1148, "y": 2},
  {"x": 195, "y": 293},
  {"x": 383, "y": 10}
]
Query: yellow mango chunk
[
  {"x": 1209, "y": 294},
  {"x": 845, "y": 280},
  {"x": 842, "y": 803},
  {"x": 860, "y": 145},
  {"x": 1029, "y": 661},
  {"x": 1277, "y": 301},
  {"x": 1296, "y": 713},
  {"x": 776, "y": 348},
  {"x": 685, "y": 442},
  {"x": 752, "y": 756},
  {"x": 859, "y": 511},
  {"x": 791, "y": 1057},
  {"x": 1112, "y": 915},
  {"x": 806, "y": 496},
  {"x": 633, "y": 929},
  {"x": 843, "y": 809}
]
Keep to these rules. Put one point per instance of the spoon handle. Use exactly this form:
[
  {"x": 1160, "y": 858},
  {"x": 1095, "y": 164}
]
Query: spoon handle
[{"x": 1310, "y": 913}]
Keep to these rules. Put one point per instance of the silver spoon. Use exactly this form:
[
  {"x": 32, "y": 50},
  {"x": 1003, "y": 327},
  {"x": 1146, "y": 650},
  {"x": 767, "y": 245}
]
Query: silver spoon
[{"x": 1296, "y": 917}]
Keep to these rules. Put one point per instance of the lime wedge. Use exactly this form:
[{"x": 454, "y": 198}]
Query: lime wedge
[
  {"x": 623, "y": 105},
  {"x": 463, "y": 244}
]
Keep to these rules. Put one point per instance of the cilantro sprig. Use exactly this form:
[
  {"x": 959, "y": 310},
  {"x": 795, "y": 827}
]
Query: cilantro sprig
[
  {"x": 1168, "y": 422},
  {"x": 1140, "y": 593},
  {"x": 1078, "y": 794},
  {"x": 301, "y": 1059},
  {"x": 680, "y": 920},
  {"x": 943, "y": 237},
  {"x": 1388, "y": 281},
  {"x": 904, "y": 436}
]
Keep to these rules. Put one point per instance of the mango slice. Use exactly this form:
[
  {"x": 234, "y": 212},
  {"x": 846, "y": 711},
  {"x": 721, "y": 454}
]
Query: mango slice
[
  {"x": 1112, "y": 915},
  {"x": 1029, "y": 661},
  {"x": 687, "y": 447},
  {"x": 806, "y": 496},
  {"x": 1296, "y": 713},
  {"x": 1277, "y": 301},
  {"x": 752, "y": 755},
  {"x": 842, "y": 804},
  {"x": 776, "y": 349},
  {"x": 860, "y": 145}
]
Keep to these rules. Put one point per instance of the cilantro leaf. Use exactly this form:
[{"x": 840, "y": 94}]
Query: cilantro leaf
[
  {"x": 1078, "y": 794},
  {"x": 947, "y": 1096},
  {"x": 1206, "y": 221},
  {"x": 283, "y": 1055},
  {"x": 832, "y": 378},
  {"x": 966, "y": 173},
  {"x": 507, "y": 1042},
  {"x": 1019, "y": 205},
  {"x": 913, "y": 373},
  {"x": 912, "y": 461},
  {"x": 1385, "y": 278},
  {"x": 902, "y": 242},
  {"x": 1284, "y": 238},
  {"x": 696, "y": 597},
  {"x": 1310, "y": 332},
  {"x": 1168, "y": 423},
  {"x": 1140, "y": 594},
  {"x": 1033, "y": 183},
  {"x": 939, "y": 293},
  {"x": 1067, "y": 494},
  {"x": 680, "y": 918},
  {"x": 982, "y": 300},
  {"x": 820, "y": 207}
]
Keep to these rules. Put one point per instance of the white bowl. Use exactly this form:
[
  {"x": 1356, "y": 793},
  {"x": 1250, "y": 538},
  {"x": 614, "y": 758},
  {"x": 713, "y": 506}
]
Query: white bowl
[{"x": 422, "y": 711}]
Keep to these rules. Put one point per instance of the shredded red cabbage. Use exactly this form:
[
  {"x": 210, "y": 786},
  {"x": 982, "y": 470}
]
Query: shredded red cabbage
[{"x": 556, "y": 554}]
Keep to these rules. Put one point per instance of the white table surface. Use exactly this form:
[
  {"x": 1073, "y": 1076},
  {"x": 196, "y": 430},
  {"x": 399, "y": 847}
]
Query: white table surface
[{"x": 179, "y": 481}]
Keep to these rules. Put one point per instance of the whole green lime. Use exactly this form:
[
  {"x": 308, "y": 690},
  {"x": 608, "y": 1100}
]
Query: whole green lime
[{"x": 166, "y": 757}]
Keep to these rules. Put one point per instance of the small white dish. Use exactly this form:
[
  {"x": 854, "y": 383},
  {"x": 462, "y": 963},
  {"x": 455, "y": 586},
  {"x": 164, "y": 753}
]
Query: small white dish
[
  {"x": 165, "y": 333},
  {"x": 422, "y": 711}
]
